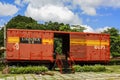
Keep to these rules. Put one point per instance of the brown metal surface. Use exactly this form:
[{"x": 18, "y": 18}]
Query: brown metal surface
[
  {"x": 90, "y": 47},
  {"x": 29, "y": 45},
  {"x": 38, "y": 45}
]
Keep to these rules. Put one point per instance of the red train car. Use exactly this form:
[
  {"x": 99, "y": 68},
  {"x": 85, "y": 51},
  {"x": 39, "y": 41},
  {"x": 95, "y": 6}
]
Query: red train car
[{"x": 38, "y": 45}]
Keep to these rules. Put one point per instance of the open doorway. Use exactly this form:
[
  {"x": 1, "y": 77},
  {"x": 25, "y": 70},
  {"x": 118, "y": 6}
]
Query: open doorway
[{"x": 62, "y": 44}]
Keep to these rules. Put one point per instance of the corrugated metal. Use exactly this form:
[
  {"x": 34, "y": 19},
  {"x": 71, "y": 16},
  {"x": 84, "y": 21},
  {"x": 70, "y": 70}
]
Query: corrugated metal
[
  {"x": 38, "y": 45},
  {"x": 12, "y": 45},
  {"x": 33, "y": 45},
  {"x": 98, "y": 48},
  {"x": 77, "y": 46},
  {"x": 90, "y": 47}
]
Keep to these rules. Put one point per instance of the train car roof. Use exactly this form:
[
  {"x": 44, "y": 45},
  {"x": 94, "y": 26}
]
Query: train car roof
[{"x": 61, "y": 32}]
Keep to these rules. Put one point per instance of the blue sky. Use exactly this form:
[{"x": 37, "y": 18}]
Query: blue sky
[{"x": 95, "y": 15}]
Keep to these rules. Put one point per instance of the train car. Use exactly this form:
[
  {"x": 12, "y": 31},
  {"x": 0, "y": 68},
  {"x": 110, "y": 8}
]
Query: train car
[{"x": 38, "y": 45}]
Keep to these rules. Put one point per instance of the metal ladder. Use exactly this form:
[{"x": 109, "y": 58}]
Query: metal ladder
[{"x": 65, "y": 65}]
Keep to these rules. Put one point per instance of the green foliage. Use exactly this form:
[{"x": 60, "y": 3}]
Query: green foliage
[
  {"x": 114, "y": 41},
  {"x": 114, "y": 62},
  {"x": 58, "y": 45},
  {"x": 64, "y": 28},
  {"x": 28, "y": 69},
  {"x": 20, "y": 22},
  {"x": 2, "y": 66},
  {"x": 78, "y": 28},
  {"x": 112, "y": 31},
  {"x": 1, "y": 38},
  {"x": 86, "y": 68}
]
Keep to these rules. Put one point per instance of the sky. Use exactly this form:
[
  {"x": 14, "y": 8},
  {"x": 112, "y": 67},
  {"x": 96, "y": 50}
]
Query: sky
[{"x": 95, "y": 15}]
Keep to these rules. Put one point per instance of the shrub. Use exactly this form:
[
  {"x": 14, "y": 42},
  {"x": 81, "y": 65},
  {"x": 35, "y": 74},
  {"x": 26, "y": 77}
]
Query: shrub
[
  {"x": 99, "y": 68},
  {"x": 86, "y": 68},
  {"x": 28, "y": 69},
  {"x": 77, "y": 68},
  {"x": 2, "y": 66},
  {"x": 114, "y": 62}
]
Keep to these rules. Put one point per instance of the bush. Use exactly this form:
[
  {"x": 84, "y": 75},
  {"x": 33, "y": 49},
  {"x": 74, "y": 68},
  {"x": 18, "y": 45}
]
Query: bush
[
  {"x": 28, "y": 69},
  {"x": 115, "y": 54},
  {"x": 114, "y": 62},
  {"x": 86, "y": 68},
  {"x": 78, "y": 68},
  {"x": 2, "y": 66}
]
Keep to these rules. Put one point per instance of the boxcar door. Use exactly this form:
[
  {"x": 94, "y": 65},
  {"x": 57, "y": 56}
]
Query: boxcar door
[
  {"x": 93, "y": 47},
  {"x": 77, "y": 46}
]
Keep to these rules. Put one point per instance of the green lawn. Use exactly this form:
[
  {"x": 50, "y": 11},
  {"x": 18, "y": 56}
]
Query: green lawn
[{"x": 113, "y": 68}]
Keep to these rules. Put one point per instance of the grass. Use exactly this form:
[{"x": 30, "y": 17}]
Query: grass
[
  {"x": 113, "y": 68},
  {"x": 98, "y": 68},
  {"x": 89, "y": 68},
  {"x": 13, "y": 71},
  {"x": 6, "y": 75},
  {"x": 109, "y": 69}
]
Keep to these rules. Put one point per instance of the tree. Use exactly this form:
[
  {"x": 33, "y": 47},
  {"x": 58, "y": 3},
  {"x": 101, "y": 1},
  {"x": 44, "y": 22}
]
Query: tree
[
  {"x": 114, "y": 41},
  {"x": 64, "y": 28},
  {"x": 20, "y": 22},
  {"x": 78, "y": 28},
  {"x": 57, "y": 26}
]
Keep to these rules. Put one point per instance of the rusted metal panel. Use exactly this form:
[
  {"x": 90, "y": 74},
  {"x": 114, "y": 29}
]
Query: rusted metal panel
[
  {"x": 98, "y": 47},
  {"x": 12, "y": 45},
  {"x": 77, "y": 46},
  {"x": 36, "y": 46},
  {"x": 12, "y": 53},
  {"x": 29, "y": 45},
  {"x": 47, "y": 41},
  {"x": 90, "y": 47},
  {"x": 25, "y": 52}
]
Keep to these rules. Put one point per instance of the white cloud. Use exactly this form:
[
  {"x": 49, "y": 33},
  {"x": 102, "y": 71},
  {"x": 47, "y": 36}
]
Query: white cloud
[
  {"x": 89, "y": 10},
  {"x": 89, "y": 7},
  {"x": 97, "y": 30},
  {"x": 88, "y": 28},
  {"x": 18, "y": 2},
  {"x": 102, "y": 29},
  {"x": 111, "y": 3},
  {"x": 50, "y": 10},
  {"x": 21, "y": 2},
  {"x": 57, "y": 10},
  {"x": 7, "y": 9}
]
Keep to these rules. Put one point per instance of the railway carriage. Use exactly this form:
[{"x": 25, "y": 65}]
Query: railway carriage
[{"x": 38, "y": 45}]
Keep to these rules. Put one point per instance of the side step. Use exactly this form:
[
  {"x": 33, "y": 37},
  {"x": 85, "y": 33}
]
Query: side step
[{"x": 64, "y": 65}]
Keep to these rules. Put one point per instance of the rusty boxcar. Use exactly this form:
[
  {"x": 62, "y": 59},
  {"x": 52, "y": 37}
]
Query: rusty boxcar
[{"x": 38, "y": 45}]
